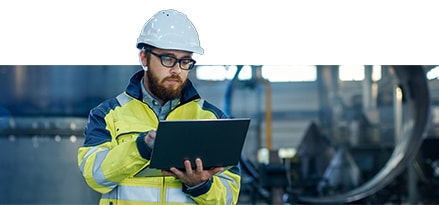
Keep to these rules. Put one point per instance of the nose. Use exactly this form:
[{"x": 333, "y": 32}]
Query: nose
[{"x": 176, "y": 69}]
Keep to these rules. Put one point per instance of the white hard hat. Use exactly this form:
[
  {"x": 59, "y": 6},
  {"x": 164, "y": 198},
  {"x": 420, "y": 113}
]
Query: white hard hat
[{"x": 170, "y": 29}]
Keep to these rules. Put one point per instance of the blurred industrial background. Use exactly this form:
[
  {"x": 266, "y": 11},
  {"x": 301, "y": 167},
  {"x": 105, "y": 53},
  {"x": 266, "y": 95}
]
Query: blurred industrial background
[{"x": 320, "y": 134}]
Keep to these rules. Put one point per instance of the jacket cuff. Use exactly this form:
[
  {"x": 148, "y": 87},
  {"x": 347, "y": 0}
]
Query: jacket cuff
[
  {"x": 143, "y": 148},
  {"x": 198, "y": 190}
]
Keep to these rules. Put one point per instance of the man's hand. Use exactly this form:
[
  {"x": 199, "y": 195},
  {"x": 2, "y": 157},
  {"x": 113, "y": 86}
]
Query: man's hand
[
  {"x": 192, "y": 177},
  {"x": 150, "y": 138}
]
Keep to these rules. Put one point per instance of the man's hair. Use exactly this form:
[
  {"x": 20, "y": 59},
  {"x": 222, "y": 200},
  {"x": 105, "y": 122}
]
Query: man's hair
[
  {"x": 147, "y": 51},
  {"x": 147, "y": 48}
]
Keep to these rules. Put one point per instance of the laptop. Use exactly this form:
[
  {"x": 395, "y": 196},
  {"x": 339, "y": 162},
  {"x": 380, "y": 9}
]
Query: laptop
[{"x": 218, "y": 142}]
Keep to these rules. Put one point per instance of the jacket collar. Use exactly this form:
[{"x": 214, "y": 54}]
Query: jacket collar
[{"x": 133, "y": 89}]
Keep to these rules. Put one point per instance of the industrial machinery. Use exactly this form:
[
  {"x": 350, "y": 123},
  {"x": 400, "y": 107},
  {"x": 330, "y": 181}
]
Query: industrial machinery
[{"x": 338, "y": 172}]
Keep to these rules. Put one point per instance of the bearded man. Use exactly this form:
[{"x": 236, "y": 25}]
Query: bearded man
[{"x": 120, "y": 133}]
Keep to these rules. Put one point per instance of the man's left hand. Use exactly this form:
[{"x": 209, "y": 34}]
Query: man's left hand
[{"x": 192, "y": 177}]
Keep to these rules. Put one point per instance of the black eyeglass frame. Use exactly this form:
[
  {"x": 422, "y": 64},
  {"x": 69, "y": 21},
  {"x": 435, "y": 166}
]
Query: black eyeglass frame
[{"x": 175, "y": 61}]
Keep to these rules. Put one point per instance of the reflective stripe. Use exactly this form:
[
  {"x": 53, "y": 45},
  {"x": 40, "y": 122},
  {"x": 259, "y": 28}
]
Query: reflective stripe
[
  {"x": 134, "y": 193},
  {"x": 111, "y": 195},
  {"x": 147, "y": 194},
  {"x": 90, "y": 151},
  {"x": 98, "y": 174},
  {"x": 201, "y": 102},
  {"x": 227, "y": 177},
  {"x": 176, "y": 195},
  {"x": 225, "y": 181},
  {"x": 123, "y": 99}
]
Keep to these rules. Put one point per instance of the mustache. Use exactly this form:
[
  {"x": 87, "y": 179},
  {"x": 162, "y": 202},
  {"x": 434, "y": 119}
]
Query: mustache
[{"x": 176, "y": 77}]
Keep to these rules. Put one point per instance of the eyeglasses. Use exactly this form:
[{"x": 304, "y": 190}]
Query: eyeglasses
[{"x": 169, "y": 61}]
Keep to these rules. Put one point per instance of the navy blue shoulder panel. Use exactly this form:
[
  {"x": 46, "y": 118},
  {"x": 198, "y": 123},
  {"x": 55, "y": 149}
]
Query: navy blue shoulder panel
[
  {"x": 214, "y": 109},
  {"x": 236, "y": 169},
  {"x": 133, "y": 89},
  {"x": 189, "y": 93},
  {"x": 95, "y": 132}
]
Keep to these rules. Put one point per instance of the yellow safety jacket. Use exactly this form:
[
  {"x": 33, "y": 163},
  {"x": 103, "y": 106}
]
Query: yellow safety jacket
[{"x": 114, "y": 151}]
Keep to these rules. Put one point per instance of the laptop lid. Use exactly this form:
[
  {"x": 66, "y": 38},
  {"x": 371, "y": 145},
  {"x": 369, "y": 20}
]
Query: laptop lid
[{"x": 217, "y": 142}]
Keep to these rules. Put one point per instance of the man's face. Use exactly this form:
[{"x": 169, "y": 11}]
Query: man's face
[{"x": 163, "y": 82}]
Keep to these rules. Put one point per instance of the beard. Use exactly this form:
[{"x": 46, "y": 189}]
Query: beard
[{"x": 162, "y": 92}]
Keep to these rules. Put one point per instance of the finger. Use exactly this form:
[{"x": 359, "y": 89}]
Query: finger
[
  {"x": 176, "y": 172},
  {"x": 199, "y": 164},
  {"x": 217, "y": 170},
  {"x": 188, "y": 166},
  {"x": 152, "y": 134},
  {"x": 150, "y": 138},
  {"x": 168, "y": 173}
]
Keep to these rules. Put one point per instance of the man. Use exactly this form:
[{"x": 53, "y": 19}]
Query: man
[{"x": 119, "y": 135}]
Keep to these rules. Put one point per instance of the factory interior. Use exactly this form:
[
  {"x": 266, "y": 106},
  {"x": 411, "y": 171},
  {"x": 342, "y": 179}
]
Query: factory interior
[{"x": 319, "y": 134}]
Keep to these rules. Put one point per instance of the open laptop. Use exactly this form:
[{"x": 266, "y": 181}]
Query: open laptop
[{"x": 218, "y": 142}]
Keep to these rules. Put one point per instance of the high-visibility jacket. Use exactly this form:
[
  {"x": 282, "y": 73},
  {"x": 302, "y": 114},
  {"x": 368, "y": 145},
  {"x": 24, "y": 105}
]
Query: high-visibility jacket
[{"x": 114, "y": 151}]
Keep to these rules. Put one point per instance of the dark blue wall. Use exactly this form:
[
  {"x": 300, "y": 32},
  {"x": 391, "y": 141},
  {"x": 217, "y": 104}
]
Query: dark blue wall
[
  {"x": 59, "y": 90},
  {"x": 43, "y": 111},
  {"x": 42, "y": 170}
]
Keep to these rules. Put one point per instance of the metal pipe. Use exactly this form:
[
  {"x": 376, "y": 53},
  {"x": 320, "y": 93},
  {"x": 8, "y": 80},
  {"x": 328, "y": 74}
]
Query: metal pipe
[
  {"x": 229, "y": 92},
  {"x": 268, "y": 118},
  {"x": 413, "y": 83}
]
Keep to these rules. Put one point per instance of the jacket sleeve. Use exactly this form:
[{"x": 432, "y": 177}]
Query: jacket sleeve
[
  {"x": 223, "y": 188},
  {"x": 99, "y": 159}
]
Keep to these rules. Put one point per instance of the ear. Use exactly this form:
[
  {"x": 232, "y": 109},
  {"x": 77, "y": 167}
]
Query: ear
[{"x": 143, "y": 60}]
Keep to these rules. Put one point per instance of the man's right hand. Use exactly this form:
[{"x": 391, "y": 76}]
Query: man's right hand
[{"x": 150, "y": 138}]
